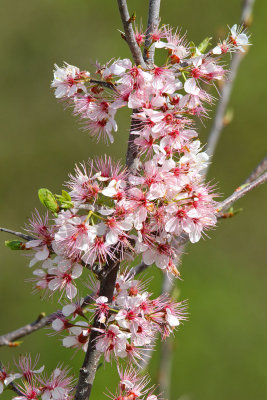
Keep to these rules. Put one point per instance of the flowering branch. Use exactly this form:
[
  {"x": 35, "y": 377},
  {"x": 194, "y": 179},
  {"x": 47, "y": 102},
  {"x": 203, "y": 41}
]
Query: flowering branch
[
  {"x": 240, "y": 192},
  {"x": 152, "y": 23},
  {"x": 129, "y": 33},
  {"x": 113, "y": 213},
  {"x": 218, "y": 122}
]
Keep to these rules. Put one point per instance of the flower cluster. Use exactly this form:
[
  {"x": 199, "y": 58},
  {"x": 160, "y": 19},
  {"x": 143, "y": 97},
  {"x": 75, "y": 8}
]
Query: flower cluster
[
  {"x": 32, "y": 384},
  {"x": 126, "y": 326},
  {"x": 113, "y": 214}
]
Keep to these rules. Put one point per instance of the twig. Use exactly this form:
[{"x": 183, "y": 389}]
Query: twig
[
  {"x": 8, "y": 339},
  {"x": 104, "y": 84},
  {"x": 262, "y": 167},
  {"x": 129, "y": 33},
  {"x": 152, "y": 22},
  {"x": 240, "y": 192},
  {"x": 19, "y": 234},
  {"x": 218, "y": 123}
]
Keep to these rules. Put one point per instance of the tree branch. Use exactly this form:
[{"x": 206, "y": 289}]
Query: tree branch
[
  {"x": 129, "y": 33},
  {"x": 152, "y": 22},
  {"x": 218, "y": 122},
  {"x": 240, "y": 192},
  {"x": 89, "y": 367}
]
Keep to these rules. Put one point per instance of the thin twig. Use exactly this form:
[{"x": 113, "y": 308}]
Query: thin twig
[
  {"x": 218, "y": 121},
  {"x": 9, "y": 339},
  {"x": 19, "y": 234},
  {"x": 152, "y": 22},
  {"x": 129, "y": 33},
  {"x": 108, "y": 85},
  {"x": 262, "y": 167},
  {"x": 240, "y": 192}
]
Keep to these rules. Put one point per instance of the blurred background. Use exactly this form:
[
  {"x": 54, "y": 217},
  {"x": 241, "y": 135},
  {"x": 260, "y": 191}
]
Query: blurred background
[{"x": 221, "y": 352}]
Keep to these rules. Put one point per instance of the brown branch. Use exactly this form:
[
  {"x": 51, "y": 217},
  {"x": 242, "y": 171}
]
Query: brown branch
[
  {"x": 240, "y": 192},
  {"x": 262, "y": 167},
  {"x": 152, "y": 22},
  {"x": 19, "y": 234},
  {"x": 89, "y": 367},
  {"x": 129, "y": 33},
  {"x": 218, "y": 122}
]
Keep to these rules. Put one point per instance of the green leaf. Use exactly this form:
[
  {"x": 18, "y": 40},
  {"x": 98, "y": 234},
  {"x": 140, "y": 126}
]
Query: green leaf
[
  {"x": 204, "y": 44},
  {"x": 64, "y": 200},
  {"x": 66, "y": 195},
  {"x": 15, "y": 244},
  {"x": 48, "y": 200}
]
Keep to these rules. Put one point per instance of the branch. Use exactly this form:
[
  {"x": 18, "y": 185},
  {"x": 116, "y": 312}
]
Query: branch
[
  {"x": 218, "y": 123},
  {"x": 89, "y": 367},
  {"x": 129, "y": 33},
  {"x": 8, "y": 339},
  {"x": 240, "y": 192},
  {"x": 19, "y": 234},
  {"x": 152, "y": 22},
  {"x": 262, "y": 167}
]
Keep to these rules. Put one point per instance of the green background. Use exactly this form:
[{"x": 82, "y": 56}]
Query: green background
[{"x": 221, "y": 352}]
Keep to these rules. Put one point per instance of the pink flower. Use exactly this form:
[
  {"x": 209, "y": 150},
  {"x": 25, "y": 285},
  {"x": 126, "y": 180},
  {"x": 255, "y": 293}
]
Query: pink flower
[
  {"x": 112, "y": 341},
  {"x": 68, "y": 79},
  {"x": 63, "y": 276}
]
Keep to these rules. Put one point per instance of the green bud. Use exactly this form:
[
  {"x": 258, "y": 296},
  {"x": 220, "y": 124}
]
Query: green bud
[
  {"x": 15, "y": 244},
  {"x": 204, "y": 44},
  {"x": 48, "y": 200}
]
